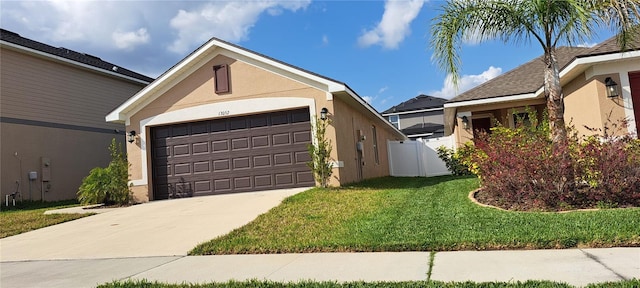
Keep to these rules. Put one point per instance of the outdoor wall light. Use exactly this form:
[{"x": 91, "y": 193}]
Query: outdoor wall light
[
  {"x": 465, "y": 122},
  {"x": 612, "y": 87},
  {"x": 323, "y": 113},
  {"x": 131, "y": 136}
]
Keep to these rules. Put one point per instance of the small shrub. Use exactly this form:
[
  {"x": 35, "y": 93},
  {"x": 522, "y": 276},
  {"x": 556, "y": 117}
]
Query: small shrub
[
  {"x": 107, "y": 185},
  {"x": 320, "y": 153},
  {"x": 453, "y": 160}
]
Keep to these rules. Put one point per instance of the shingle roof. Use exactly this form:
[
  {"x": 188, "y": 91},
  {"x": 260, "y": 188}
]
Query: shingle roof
[
  {"x": 15, "y": 38},
  {"x": 423, "y": 128},
  {"x": 524, "y": 79},
  {"x": 419, "y": 102},
  {"x": 529, "y": 77}
]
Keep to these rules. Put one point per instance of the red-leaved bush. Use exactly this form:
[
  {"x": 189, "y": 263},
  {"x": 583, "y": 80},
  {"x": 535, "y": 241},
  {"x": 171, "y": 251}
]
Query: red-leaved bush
[{"x": 522, "y": 169}]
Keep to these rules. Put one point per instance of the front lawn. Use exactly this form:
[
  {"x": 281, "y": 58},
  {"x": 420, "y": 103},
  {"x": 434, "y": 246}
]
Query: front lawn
[
  {"x": 27, "y": 216},
  {"x": 417, "y": 214}
]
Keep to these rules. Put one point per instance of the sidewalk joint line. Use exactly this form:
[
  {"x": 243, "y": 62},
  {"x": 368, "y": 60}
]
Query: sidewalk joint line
[
  {"x": 595, "y": 258},
  {"x": 157, "y": 266},
  {"x": 298, "y": 256}
]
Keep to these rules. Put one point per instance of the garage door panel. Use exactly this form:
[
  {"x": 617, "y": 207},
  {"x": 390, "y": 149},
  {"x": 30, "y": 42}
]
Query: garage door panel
[
  {"x": 301, "y": 137},
  {"x": 305, "y": 177},
  {"x": 202, "y": 167},
  {"x": 302, "y": 157},
  {"x": 242, "y": 182},
  {"x": 281, "y": 139},
  {"x": 222, "y": 185},
  {"x": 239, "y": 144},
  {"x": 241, "y": 163},
  {"x": 181, "y": 150},
  {"x": 261, "y": 161},
  {"x": 203, "y": 187},
  {"x": 181, "y": 130},
  {"x": 200, "y": 148},
  {"x": 260, "y": 141},
  {"x": 182, "y": 169},
  {"x": 263, "y": 181},
  {"x": 200, "y": 128},
  {"x": 257, "y": 152},
  {"x": 284, "y": 178},
  {"x": 220, "y": 146},
  {"x": 221, "y": 165}
]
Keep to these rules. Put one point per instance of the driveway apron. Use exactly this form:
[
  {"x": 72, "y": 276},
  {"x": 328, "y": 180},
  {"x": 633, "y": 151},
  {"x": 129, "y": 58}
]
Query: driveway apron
[{"x": 160, "y": 228}]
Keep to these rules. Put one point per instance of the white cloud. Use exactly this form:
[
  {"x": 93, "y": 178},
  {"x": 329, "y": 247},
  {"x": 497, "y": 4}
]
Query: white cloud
[
  {"x": 230, "y": 21},
  {"x": 368, "y": 99},
  {"x": 381, "y": 90},
  {"x": 325, "y": 40},
  {"x": 103, "y": 24},
  {"x": 587, "y": 45},
  {"x": 128, "y": 40},
  {"x": 465, "y": 82},
  {"x": 394, "y": 26}
]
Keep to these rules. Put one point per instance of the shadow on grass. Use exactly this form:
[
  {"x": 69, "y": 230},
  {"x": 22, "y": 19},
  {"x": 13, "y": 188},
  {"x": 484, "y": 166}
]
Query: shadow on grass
[
  {"x": 390, "y": 182},
  {"x": 27, "y": 205}
]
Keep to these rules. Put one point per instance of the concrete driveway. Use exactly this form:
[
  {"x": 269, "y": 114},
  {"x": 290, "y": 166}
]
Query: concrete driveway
[{"x": 160, "y": 228}]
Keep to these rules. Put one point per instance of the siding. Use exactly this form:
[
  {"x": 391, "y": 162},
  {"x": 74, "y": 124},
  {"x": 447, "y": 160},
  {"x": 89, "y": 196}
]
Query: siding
[
  {"x": 408, "y": 120},
  {"x": 43, "y": 90}
]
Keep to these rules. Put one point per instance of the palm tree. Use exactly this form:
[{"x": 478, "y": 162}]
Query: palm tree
[{"x": 548, "y": 22}]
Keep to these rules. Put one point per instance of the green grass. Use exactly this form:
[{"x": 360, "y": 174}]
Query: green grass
[
  {"x": 426, "y": 284},
  {"x": 417, "y": 214},
  {"x": 27, "y": 216}
]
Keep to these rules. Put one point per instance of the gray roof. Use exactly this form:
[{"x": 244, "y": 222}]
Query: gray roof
[
  {"x": 419, "y": 102},
  {"x": 15, "y": 38},
  {"x": 529, "y": 77}
]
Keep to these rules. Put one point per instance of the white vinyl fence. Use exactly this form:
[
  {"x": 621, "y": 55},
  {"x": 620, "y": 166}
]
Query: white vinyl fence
[{"x": 418, "y": 158}]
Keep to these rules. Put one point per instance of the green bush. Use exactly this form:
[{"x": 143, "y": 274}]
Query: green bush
[
  {"x": 454, "y": 160},
  {"x": 107, "y": 185}
]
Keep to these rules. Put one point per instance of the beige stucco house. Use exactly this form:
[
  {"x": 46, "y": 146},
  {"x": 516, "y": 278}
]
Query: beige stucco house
[
  {"x": 226, "y": 119},
  {"x": 52, "y": 106},
  {"x": 600, "y": 84}
]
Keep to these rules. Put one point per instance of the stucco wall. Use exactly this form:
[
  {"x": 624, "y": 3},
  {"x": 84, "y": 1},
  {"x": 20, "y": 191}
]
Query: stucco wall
[{"x": 349, "y": 121}]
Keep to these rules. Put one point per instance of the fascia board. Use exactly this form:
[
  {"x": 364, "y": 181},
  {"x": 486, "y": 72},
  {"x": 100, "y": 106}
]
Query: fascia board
[
  {"x": 412, "y": 111},
  {"x": 491, "y": 100}
]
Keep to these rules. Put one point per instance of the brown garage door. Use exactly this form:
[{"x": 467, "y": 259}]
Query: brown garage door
[{"x": 258, "y": 152}]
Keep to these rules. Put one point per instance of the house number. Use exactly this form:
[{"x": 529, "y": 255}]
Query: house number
[{"x": 223, "y": 113}]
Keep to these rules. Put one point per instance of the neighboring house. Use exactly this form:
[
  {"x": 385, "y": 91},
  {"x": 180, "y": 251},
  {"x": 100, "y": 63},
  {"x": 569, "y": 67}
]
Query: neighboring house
[
  {"x": 419, "y": 117},
  {"x": 601, "y": 86},
  {"x": 52, "y": 107},
  {"x": 226, "y": 119}
]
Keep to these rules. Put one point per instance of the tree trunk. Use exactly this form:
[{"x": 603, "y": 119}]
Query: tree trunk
[
  {"x": 555, "y": 107},
  {"x": 555, "y": 99}
]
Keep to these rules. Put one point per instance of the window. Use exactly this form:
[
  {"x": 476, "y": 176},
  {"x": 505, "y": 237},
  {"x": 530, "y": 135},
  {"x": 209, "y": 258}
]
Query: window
[
  {"x": 375, "y": 144},
  {"x": 521, "y": 119},
  {"x": 221, "y": 78},
  {"x": 395, "y": 121}
]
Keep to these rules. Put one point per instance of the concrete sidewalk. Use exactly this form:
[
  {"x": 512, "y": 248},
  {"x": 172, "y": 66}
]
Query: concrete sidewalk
[{"x": 577, "y": 267}]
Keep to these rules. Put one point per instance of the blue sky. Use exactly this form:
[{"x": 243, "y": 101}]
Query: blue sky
[{"x": 379, "y": 48}]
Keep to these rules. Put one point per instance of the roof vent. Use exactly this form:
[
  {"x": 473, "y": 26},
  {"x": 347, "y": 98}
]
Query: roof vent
[{"x": 91, "y": 56}]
